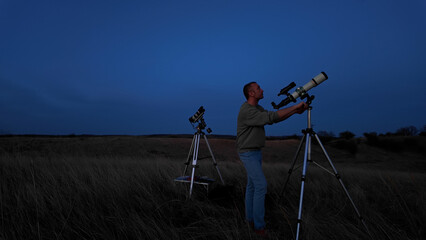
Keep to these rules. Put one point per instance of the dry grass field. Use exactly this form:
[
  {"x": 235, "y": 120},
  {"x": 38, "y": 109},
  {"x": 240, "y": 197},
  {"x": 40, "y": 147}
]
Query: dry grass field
[{"x": 121, "y": 187}]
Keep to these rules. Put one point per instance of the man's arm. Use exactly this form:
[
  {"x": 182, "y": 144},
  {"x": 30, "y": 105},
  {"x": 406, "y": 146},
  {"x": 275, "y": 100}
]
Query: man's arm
[{"x": 288, "y": 112}]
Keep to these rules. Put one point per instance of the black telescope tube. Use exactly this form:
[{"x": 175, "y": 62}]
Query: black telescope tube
[{"x": 284, "y": 102}]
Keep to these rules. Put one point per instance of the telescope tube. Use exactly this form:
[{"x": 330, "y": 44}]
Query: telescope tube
[{"x": 301, "y": 91}]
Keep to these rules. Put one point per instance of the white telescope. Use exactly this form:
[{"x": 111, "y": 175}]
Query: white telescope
[{"x": 300, "y": 91}]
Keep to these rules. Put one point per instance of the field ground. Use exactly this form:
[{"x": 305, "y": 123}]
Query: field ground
[{"x": 121, "y": 187}]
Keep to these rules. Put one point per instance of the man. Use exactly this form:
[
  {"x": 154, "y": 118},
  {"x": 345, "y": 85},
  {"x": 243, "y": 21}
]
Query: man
[{"x": 250, "y": 140}]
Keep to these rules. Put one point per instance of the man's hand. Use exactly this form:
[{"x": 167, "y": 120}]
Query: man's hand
[
  {"x": 301, "y": 107},
  {"x": 287, "y": 112}
]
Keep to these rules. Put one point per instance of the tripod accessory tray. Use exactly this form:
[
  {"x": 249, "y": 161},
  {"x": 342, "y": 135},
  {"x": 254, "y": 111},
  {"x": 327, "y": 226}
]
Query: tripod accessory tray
[
  {"x": 205, "y": 181},
  {"x": 197, "y": 180}
]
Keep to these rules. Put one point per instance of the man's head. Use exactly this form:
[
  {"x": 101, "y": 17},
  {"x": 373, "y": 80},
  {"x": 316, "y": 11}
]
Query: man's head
[{"x": 253, "y": 90}]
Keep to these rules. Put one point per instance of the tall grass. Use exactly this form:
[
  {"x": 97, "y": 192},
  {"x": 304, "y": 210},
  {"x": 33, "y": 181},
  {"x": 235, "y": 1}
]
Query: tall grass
[
  {"x": 390, "y": 203},
  {"x": 95, "y": 191}
]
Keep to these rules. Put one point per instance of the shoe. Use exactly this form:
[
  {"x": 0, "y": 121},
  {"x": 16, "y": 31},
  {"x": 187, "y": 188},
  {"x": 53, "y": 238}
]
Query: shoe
[{"x": 261, "y": 232}]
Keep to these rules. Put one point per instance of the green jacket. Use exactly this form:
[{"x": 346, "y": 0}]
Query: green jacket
[{"x": 250, "y": 126}]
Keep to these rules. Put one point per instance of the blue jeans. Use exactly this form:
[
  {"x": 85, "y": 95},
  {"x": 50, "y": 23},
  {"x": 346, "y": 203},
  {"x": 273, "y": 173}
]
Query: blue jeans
[{"x": 256, "y": 188}]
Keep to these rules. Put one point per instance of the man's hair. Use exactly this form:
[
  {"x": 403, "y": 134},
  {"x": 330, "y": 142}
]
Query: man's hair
[{"x": 247, "y": 88}]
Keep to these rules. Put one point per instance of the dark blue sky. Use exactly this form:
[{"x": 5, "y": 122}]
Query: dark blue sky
[{"x": 144, "y": 67}]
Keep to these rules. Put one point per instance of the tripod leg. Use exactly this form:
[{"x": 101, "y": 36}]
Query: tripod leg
[
  {"x": 292, "y": 165},
  {"x": 302, "y": 187},
  {"x": 214, "y": 160},
  {"x": 194, "y": 161},
  {"x": 189, "y": 155},
  {"x": 343, "y": 186}
]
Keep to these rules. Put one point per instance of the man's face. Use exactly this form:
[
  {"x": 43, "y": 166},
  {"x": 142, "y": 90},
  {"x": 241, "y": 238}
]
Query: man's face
[{"x": 256, "y": 91}]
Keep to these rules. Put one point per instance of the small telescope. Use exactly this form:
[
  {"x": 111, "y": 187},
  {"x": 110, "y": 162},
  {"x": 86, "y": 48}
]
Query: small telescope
[
  {"x": 198, "y": 117},
  {"x": 300, "y": 91},
  {"x": 199, "y": 114}
]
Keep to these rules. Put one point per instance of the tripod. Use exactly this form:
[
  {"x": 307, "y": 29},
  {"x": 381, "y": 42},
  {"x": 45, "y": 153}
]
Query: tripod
[
  {"x": 307, "y": 139},
  {"x": 193, "y": 152}
]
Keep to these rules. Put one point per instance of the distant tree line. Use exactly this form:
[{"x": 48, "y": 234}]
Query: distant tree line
[
  {"x": 346, "y": 140},
  {"x": 404, "y": 131},
  {"x": 325, "y": 135}
]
